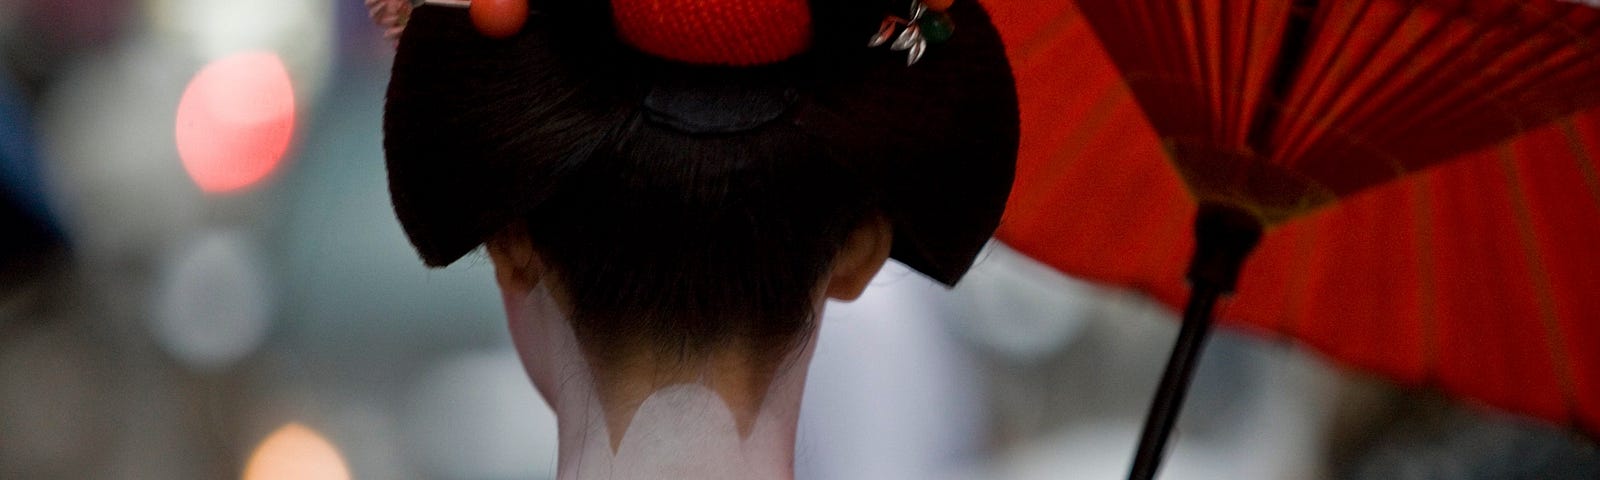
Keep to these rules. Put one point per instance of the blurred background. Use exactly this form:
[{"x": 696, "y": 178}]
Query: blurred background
[{"x": 201, "y": 278}]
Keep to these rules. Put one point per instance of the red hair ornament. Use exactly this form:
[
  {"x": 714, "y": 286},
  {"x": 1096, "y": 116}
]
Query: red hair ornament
[
  {"x": 716, "y": 32},
  {"x": 734, "y": 33},
  {"x": 498, "y": 18},
  {"x": 492, "y": 18}
]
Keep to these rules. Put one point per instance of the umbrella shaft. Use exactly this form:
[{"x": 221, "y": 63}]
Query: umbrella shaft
[{"x": 1175, "y": 382}]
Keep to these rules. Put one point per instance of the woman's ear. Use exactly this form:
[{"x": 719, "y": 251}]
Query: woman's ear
[
  {"x": 516, "y": 266},
  {"x": 860, "y": 259}
]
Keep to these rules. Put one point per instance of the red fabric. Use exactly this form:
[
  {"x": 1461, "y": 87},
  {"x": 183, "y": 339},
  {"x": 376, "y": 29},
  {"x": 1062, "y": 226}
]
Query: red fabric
[
  {"x": 716, "y": 32},
  {"x": 1479, "y": 275}
]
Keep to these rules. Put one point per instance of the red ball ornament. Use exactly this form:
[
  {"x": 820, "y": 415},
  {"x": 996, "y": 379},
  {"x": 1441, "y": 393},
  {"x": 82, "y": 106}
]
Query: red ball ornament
[
  {"x": 715, "y": 32},
  {"x": 499, "y": 18}
]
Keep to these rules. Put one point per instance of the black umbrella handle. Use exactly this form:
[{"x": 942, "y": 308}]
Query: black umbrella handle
[
  {"x": 1174, "y": 383},
  {"x": 1224, "y": 237}
]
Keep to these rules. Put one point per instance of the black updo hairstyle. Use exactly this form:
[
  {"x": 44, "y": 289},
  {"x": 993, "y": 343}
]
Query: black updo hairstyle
[{"x": 681, "y": 238}]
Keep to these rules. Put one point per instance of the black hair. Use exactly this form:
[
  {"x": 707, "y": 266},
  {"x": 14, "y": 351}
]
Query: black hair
[{"x": 685, "y": 240}]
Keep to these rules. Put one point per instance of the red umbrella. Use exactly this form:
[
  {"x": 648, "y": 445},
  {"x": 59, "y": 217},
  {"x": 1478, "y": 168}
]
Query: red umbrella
[{"x": 1424, "y": 171}]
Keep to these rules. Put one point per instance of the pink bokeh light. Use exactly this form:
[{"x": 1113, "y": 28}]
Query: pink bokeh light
[{"x": 235, "y": 121}]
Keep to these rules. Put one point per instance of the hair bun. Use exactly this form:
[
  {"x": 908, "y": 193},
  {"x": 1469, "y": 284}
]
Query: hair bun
[{"x": 482, "y": 133}]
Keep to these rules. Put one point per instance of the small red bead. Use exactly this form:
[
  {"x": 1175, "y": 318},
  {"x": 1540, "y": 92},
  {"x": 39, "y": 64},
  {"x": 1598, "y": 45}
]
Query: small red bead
[
  {"x": 499, "y": 18},
  {"x": 939, "y": 5}
]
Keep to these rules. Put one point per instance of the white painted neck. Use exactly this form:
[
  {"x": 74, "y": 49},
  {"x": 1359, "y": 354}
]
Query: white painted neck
[{"x": 682, "y": 431}]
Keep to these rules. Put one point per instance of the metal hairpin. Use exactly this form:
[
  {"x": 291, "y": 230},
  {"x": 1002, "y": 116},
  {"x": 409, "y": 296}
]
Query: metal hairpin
[
  {"x": 444, "y": 3},
  {"x": 910, "y": 40}
]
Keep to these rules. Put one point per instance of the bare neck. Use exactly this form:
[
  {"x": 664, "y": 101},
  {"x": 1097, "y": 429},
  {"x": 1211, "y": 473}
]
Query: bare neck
[{"x": 691, "y": 429}]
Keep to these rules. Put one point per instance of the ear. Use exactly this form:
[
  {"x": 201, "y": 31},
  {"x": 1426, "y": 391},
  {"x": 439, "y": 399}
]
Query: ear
[
  {"x": 860, "y": 259},
  {"x": 517, "y": 266}
]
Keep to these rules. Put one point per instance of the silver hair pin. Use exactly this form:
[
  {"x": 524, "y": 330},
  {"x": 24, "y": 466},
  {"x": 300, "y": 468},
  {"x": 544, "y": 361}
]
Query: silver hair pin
[
  {"x": 915, "y": 32},
  {"x": 392, "y": 15}
]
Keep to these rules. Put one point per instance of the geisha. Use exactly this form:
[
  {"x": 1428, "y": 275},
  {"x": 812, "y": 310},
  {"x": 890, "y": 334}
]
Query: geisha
[{"x": 669, "y": 192}]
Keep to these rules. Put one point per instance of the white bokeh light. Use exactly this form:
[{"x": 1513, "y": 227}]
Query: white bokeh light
[
  {"x": 476, "y": 416},
  {"x": 111, "y": 166},
  {"x": 301, "y": 32},
  {"x": 213, "y": 301},
  {"x": 1019, "y": 308}
]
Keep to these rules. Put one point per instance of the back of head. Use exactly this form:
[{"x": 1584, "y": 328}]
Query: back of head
[{"x": 682, "y": 207}]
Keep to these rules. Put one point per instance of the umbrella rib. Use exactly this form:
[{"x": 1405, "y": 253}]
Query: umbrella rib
[
  {"x": 1049, "y": 35},
  {"x": 1528, "y": 71},
  {"x": 1064, "y": 152},
  {"x": 1320, "y": 74},
  {"x": 1426, "y": 79},
  {"x": 1496, "y": 91},
  {"x": 1164, "y": 66},
  {"x": 1306, "y": 134},
  {"x": 1162, "y": 69},
  {"x": 1541, "y": 281},
  {"x": 1376, "y": 107},
  {"x": 1299, "y": 286},
  {"x": 1581, "y": 155},
  {"x": 1191, "y": 62},
  {"x": 1242, "y": 76},
  {"x": 1202, "y": 59},
  {"x": 1493, "y": 103},
  {"x": 1225, "y": 81},
  {"x": 1463, "y": 60},
  {"x": 1422, "y": 221},
  {"x": 1291, "y": 57}
]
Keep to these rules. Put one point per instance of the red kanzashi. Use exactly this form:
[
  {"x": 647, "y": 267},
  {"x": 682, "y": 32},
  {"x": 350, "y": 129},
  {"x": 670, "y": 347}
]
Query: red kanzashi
[{"x": 716, "y": 32}]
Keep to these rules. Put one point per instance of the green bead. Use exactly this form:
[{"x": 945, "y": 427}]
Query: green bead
[{"x": 937, "y": 27}]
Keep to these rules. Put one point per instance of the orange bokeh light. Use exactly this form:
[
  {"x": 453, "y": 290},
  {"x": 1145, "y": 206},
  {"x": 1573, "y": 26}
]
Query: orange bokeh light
[
  {"x": 295, "y": 452},
  {"x": 235, "y": 121}
]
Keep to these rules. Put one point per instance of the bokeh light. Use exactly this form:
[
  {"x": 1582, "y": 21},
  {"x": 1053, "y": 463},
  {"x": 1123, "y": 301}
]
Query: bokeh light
[
  {"x": 296, "y": 452},
  {"x": 300, "y": 32},
  {"x": 1018, "y": 308},
  {"x": 890, "y": 393},
  {"x": 213, "y": 301},
  {"x": 235, "y": 121},
  {"x": 474, "y": 416},
  {"x": 110, "y": 165}
]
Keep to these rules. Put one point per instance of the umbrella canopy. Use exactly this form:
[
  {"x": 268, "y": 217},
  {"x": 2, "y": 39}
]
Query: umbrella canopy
[
  {"x": 1437, "y": 159},
  {"x": 1284, "y": 106}
]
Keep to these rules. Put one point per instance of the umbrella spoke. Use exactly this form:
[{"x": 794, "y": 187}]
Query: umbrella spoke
[{"x": 1548, "y": 321}]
